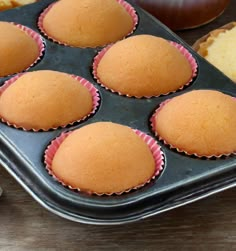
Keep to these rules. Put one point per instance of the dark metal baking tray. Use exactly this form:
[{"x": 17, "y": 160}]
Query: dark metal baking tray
[{"x": 184, "y": 178}]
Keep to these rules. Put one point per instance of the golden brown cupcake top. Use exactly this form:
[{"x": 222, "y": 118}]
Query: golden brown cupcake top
[
  {"x": 45, "y": 99},
  {"x": 87, "y": 23},
  {"x": 144, "y": 65},
  {"x": 17, "y": 49},
  {"x": 103, "y": 157},
  {"x": 201, "y": 122}
]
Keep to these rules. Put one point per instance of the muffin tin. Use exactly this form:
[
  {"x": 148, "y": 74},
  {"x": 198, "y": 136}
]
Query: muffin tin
[{"x": 184, "y": 178}]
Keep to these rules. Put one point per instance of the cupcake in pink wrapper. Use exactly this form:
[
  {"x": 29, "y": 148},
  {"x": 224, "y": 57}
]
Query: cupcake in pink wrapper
[
  {"x": 20, "y": 48},
  {"x": 87, "y": 23},
  {"x": 104, "y": 158},
  {"x": 200, "y": 123},
  {"x": 144, "y": 66},
  {"x": 44, "y": 100}
]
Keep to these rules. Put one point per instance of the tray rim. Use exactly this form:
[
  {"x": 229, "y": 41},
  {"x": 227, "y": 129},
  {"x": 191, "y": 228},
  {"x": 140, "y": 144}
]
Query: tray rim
[{"x": 190, "y": 198}]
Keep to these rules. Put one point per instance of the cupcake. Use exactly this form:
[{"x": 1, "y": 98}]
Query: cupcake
[
  {"x": 88, "y": 23},
  {"x": 43, "y": 100},
  {"x": 84, "y": 159},
  {"x": 18, "y": 49},
  {"x": 144, "y": 66},
  {"x": 200, "y": 122},
  {"x": 218, "y": 47}
]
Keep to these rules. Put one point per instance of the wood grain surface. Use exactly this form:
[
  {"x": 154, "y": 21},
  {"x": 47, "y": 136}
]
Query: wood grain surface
[{"x": 209, "y": 224}]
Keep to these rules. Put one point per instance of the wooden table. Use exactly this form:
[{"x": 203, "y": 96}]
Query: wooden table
[{"x": 209, "y": 224}]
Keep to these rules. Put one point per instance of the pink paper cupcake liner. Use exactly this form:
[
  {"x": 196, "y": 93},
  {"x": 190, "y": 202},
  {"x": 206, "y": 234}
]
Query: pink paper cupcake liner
[
  {"x": 37, "y": 38},
  {"x": 152, "y": 144},
  {"x": 126, "y": 5},
  {"x": 183, "y": 51},
  {"x": 153, "y": 126},
  {"x": 93, "y": 91}
]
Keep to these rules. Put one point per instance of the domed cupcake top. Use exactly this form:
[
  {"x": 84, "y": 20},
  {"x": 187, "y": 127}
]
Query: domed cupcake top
[
  {"x": 200, "y": 122},
  {"x": 17, "y": 49},
  {"x": 143, "y": 65},
  {"x": 87, "y": 23},
  {"x": 103, "y": 158},
  {"x": 44, "y": 100}
]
